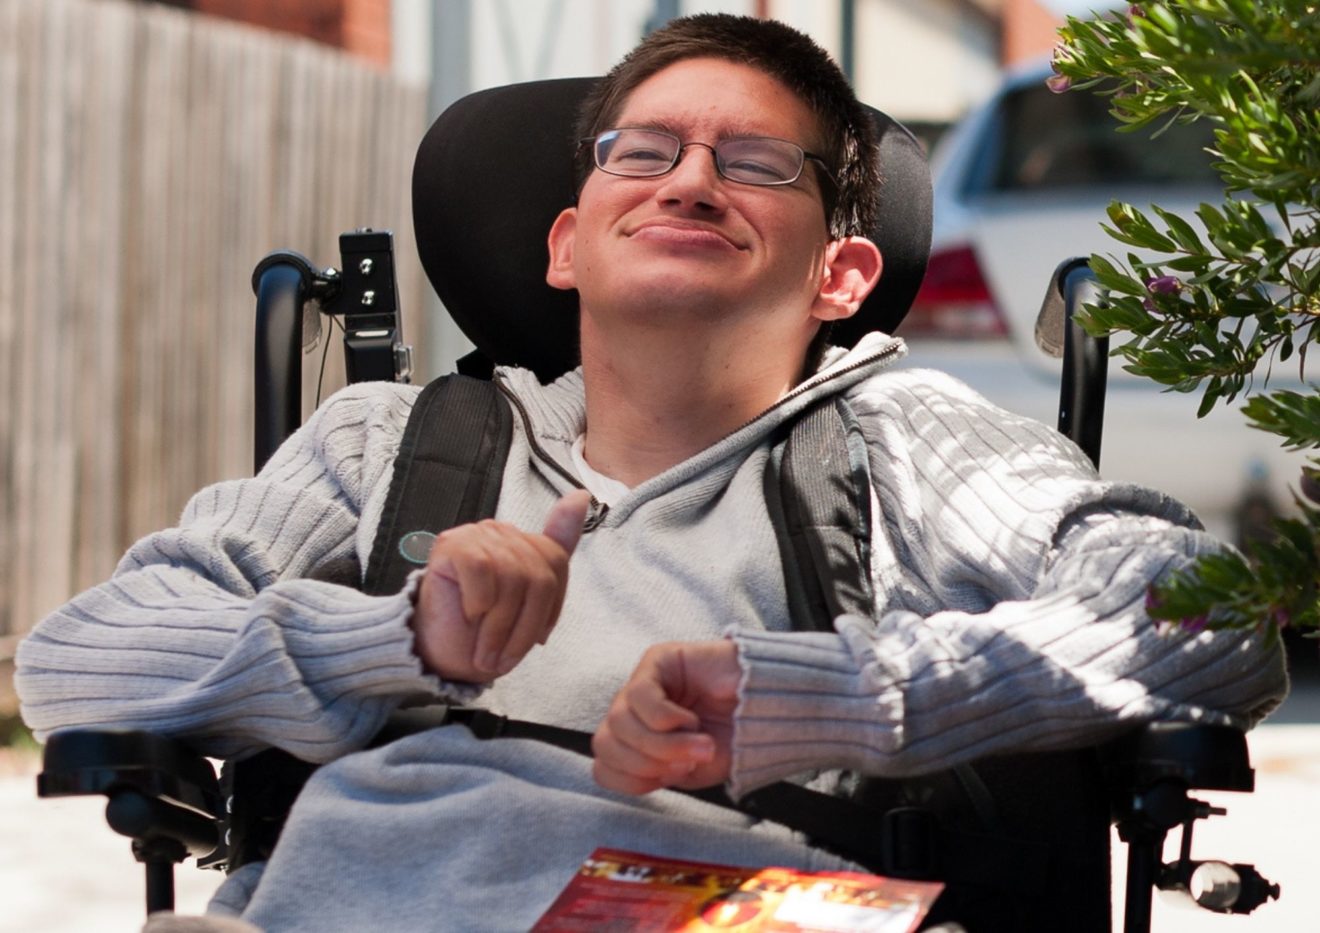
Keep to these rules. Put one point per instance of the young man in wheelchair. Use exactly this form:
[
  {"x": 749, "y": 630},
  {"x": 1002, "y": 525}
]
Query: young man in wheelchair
[{"x": 727, "y": 177}]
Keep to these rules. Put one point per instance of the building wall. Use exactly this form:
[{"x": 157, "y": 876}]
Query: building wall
[
  {"x": 1030, "y": 31},
  {"x": 358, "y": 26},
  {"x": 924, "y": 62}
]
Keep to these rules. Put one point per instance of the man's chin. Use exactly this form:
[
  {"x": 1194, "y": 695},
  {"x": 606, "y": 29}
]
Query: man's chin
[{"x": 669, "y": 297}]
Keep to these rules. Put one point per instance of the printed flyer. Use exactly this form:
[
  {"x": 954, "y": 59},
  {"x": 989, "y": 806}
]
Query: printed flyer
[{"x": 616, "y": 891}]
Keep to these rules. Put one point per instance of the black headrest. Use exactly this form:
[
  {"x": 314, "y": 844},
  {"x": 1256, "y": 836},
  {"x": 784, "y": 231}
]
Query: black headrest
[{"x": 495, "y": 170}]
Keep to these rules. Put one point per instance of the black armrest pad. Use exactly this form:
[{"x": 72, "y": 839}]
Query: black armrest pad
[
  {"x": 103, "y": 761},
  {"x": 1201, "y": 756}
]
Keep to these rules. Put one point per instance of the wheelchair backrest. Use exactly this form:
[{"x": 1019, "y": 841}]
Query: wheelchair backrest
[{"x": 495, "y": 170}]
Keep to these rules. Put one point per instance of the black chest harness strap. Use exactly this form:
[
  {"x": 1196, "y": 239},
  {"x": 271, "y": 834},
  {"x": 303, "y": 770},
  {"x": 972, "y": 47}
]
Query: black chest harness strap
[
  {"x": 817, "y": 487},
  {"x": 448, "y": 473},
  {"x": 902, "y": 842}
]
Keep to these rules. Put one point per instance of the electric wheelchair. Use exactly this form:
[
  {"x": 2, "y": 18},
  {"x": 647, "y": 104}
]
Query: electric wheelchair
[{"x": 485, "y": 193}]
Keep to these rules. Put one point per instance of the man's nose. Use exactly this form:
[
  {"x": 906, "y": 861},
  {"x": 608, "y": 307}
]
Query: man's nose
[{"x": 694, "y": 179}]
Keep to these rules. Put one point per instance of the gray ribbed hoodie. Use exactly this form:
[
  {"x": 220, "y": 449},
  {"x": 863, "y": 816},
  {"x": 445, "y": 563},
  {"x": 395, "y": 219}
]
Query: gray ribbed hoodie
[{"x": 1010, "y": 582}]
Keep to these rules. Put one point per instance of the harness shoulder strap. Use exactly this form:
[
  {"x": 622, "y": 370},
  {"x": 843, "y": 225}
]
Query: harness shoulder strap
[
  {"x": 448, "y": 472},
  {"x": 818, "y": 491}
]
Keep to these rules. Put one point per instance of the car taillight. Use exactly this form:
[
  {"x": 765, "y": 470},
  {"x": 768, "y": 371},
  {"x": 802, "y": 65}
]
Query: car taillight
[{"x": 954, "y": 300}]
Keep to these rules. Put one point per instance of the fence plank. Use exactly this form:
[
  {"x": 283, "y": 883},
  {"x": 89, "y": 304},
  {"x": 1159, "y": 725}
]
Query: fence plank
[
  {"x": 149, "y": 158},
  {"x": 96, "y": 279},
  {"x": 12, "y": 87}
]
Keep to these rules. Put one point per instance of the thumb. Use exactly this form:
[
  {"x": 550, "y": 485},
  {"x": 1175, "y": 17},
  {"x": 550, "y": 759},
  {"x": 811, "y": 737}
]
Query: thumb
[
  {"x": 446, "y": 597},
  {"x": 564, "y": 524}
]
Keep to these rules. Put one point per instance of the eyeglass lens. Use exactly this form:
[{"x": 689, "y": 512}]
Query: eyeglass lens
[{"x": 750, "y": 160}]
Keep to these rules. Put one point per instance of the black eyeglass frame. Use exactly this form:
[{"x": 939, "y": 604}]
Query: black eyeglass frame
[{"x": 825, "y": 172}]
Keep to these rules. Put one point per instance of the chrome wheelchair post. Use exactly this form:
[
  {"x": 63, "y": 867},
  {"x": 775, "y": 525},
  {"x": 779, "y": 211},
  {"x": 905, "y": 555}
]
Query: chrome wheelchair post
[
  {"x": 160, "y": 880},
  {"x": 282, "y": 283},
  {"x": 1085, "y": 367},
  {"x": 1150, "y": 815},
  {"x": 1085, "y": 358}
]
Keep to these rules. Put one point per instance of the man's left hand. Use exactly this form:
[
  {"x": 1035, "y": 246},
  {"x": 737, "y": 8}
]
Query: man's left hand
[{"x": 672, "y": 724}]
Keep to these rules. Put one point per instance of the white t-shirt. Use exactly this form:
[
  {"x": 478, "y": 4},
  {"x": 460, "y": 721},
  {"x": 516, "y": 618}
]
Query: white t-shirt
[{"x": 606, "y": 489}]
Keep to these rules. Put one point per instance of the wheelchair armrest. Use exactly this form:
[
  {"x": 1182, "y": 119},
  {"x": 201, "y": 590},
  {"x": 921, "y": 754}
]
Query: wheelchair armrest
[
  {"x": 1149, "y": 772},
  {"x": 157, "y": 787},
  {"x": 1197, "y": 755}
]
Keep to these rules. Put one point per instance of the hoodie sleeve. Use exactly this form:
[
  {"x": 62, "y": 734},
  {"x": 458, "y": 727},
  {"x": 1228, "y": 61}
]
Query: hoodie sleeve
[
  {"x": 209, "y": 629},
  {"x": 1011, "y": 588}
]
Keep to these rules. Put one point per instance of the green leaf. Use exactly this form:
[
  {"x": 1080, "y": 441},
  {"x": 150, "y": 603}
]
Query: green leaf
[
  {"x": 1109, "y": 277},
  {"x": 1181, "y": 231},
  {"x": 1195, "y": 264},
  {"x": 1289, "y": 414}
]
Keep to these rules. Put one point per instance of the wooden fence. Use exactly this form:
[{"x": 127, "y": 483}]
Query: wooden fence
[{"x": 148, "y": 159}]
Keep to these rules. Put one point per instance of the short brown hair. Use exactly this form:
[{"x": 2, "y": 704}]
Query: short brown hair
[{"x": 792, "y": 58}]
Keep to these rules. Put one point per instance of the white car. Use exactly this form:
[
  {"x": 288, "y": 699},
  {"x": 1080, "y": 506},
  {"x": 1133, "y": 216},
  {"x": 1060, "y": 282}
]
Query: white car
[{"x": 1021, "y": 184}]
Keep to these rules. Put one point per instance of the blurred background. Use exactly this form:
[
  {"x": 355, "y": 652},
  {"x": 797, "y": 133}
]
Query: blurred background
[{"x": 151, "y": 153}]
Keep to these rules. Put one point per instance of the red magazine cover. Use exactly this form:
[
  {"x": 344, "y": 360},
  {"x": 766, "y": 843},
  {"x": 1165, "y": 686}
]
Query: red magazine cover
[{"x": 617, "y": 890}]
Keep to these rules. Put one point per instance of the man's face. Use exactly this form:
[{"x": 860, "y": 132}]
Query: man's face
[{"x": 690, "y": 245}]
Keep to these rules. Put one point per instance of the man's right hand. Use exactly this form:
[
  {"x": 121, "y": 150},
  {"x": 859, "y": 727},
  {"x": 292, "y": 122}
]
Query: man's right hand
[{"x": 491, "y": 592}]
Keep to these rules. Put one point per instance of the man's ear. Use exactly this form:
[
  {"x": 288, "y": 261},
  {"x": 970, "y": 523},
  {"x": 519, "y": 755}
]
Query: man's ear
[
  {"x": 852, "y": 267},
  {"x": 563, "y": 233}
]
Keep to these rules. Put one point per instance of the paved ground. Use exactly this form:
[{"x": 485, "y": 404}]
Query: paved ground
[{"x": 61, "y": 869}]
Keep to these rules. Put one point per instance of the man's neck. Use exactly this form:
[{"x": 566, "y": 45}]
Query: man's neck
[{"x": 653, "y": 402}]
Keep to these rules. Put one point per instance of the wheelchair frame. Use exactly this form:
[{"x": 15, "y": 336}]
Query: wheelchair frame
[{"x": 168, "y": 800}]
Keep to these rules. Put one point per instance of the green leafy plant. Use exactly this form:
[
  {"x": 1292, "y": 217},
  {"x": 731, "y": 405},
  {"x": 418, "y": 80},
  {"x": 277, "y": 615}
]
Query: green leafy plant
[{"x": 1210, "y": 306}]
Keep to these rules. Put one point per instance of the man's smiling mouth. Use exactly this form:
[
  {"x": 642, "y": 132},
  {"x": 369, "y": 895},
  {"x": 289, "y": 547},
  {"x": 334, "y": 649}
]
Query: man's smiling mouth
[{"x": 683, "y": 233}]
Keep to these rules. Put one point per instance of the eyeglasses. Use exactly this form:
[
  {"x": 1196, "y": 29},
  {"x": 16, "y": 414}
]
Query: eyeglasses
[{"x": 748, "y": 160}]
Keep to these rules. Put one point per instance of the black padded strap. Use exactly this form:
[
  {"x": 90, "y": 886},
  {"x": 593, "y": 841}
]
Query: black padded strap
[
  {"x": 905, "y": 842},
  {"x": 448, "y": 471},
  {"x": 817, "y": 488}
]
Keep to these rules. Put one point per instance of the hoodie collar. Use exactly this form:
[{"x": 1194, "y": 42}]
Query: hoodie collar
[{"x": 556, "y": 413}]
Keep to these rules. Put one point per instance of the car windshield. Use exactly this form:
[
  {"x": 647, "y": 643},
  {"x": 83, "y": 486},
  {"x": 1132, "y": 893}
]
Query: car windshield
[{"x": 1054, "y": 141}]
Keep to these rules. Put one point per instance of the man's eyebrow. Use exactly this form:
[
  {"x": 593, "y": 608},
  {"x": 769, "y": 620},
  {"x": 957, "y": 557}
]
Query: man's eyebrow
[
  {"x": 659, "y": 125},
  {"x": 732, "y": 130}
]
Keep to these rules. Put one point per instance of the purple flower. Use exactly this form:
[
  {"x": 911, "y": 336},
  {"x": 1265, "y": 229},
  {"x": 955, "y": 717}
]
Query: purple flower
[
  {"x": 1194, "y": 624},
  {"x": 1164, "y": 285},
  {"x": 1282, "y": 617},
  {"x": 1136, "y": 12},
  {"x": 1057, "y": 82}
]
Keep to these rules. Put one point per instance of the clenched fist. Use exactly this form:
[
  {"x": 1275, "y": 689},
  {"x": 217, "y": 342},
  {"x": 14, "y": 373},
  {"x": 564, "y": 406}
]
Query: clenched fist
[{"x": 671, "y": 725}]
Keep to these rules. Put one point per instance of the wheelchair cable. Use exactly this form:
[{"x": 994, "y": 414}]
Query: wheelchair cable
[{"x": 325, "y": 353}]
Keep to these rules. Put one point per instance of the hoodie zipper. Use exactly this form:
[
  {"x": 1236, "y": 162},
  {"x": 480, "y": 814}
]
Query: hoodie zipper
[
  {"x": 596, "y": 514},
  {"x": 600, "y": 509}
]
